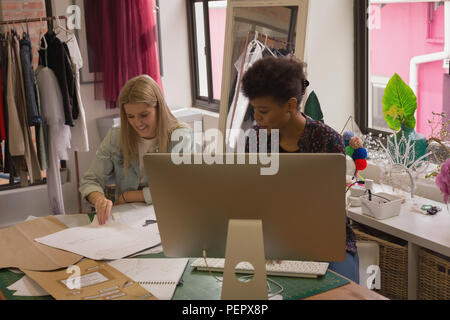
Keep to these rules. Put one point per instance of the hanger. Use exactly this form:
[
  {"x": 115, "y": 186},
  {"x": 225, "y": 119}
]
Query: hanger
[
  {"x": 267, "y": 48},
  {"x": 44, "y": 49},
  {"x": 25, "y": 35},
  {"x": 59, "y": 26}
]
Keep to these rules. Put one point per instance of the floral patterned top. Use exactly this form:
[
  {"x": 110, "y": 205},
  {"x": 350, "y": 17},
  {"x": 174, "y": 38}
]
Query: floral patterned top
[{"x": 319, "y": 138}]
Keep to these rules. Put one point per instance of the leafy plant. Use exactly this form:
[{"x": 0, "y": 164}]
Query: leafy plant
[
  {"x": 399, "y": 104},
  {"x": 312, "y": 107}
]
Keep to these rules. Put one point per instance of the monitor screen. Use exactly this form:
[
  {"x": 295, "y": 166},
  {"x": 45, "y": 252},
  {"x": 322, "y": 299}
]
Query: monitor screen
[{"x": 301, "y": 206}]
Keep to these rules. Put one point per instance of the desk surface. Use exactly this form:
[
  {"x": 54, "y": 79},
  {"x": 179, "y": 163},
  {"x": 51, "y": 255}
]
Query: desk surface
[
  {"x": 351, "y": 291},
  {"x": 431, "y": 232}
]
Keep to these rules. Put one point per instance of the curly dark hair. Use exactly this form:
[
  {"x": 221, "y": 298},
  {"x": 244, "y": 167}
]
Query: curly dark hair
[{"x": 281, "y": 78}]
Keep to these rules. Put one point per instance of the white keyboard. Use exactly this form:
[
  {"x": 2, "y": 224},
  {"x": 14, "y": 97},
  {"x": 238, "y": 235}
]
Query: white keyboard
[{"x": 286, "y": 268}]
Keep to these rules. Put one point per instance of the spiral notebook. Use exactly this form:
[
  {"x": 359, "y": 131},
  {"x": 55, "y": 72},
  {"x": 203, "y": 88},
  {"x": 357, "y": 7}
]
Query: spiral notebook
[{"x": 158, "y": 276}]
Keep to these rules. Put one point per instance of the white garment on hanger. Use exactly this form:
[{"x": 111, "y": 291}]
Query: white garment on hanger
[
  {"x": 235, "y": 122},
  {"x": 80, "y": 141},
  {"x": 58, "y": 134}
]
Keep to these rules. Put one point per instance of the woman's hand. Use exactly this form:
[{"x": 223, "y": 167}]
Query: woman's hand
[
  {"x": 102, "y": 206},
  {"x": 103, "y": 209}
]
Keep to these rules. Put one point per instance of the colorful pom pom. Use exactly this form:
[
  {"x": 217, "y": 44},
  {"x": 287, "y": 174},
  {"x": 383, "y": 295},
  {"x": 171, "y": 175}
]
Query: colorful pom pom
[
  {"x": 356, "y": 143},
  {"x": 349, "y": 151},
  {"x": 360, "y": 153},
  {"x": 348, "y": 135},
  {"x": 361, "y": 164}
]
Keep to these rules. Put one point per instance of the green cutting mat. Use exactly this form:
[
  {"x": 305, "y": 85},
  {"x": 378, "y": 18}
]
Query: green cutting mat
[{"x": 200, "y": 285}]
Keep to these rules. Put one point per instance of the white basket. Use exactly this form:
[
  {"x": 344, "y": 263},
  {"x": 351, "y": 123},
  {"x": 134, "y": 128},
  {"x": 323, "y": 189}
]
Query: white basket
[{"x": 379, "y": 207}]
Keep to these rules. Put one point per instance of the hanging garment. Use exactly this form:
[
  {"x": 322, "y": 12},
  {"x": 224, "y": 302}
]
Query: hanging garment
[
  {"x": 15, "y": 133},
  {"x": 41, "y": 137},
  {"x": 2, "y": 117},
  {"x": 9, "y": 164},
  {"x": 2, "y": 123},
  {"x": 31, "y": 160},
  {"x": 57, "y": 58},
  {"x": 240, "y": 103},
  {"x": 80, "y": 141},
  {"x": 58, "y": 134},
  {"x": 122, "y": 37},
  {"x": 29, "y": 82}
]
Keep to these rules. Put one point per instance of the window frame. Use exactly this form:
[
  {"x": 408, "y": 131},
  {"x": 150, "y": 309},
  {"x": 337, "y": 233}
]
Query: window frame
[
  {"x": 361, "y": 17},
  {"x": 206, "y": 103}
]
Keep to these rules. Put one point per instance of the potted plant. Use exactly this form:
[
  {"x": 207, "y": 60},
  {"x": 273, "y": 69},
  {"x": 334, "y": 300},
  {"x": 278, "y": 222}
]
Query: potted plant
[{"x": 399, "y": 107}]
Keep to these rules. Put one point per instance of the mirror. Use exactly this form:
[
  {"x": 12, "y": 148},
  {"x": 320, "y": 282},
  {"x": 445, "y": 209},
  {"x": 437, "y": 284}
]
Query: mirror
[{"x": 255, "y": 29}]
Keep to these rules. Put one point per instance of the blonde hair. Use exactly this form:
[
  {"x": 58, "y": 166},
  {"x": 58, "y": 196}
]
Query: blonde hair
[{"x": 143, "y": 89}]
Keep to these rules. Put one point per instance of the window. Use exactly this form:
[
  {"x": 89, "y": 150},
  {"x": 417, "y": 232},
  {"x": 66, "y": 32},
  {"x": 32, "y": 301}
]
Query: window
[
  {"x": 207, "y": 20},
  {"x": 390, "y": 36}
]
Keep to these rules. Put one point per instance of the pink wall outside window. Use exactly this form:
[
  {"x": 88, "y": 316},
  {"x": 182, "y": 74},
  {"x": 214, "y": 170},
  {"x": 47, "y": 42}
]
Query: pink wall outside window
[
  {"x": 404, "y": 32},
  {"x": 217, "y": 18}
]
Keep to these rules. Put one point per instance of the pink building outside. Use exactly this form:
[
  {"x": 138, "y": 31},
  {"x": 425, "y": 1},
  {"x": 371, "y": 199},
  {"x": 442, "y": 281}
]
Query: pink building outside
[
  {"x": 407, "y": 30},
  {"x": 218, "y": 19}
]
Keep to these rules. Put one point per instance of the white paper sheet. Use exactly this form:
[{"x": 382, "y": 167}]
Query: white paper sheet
[
  {"x": 111, "y": 241},
  {"x": 74, "y": 220},
  {"x": 159, "y": 276},
  {"x": 133, "y": 214},
  {"x": 154, "y": 250},
  {"x": 27, "y": 287}
]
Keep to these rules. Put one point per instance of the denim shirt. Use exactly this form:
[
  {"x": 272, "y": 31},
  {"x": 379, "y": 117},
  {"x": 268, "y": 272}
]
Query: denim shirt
[{"x": 109, "y": 164}]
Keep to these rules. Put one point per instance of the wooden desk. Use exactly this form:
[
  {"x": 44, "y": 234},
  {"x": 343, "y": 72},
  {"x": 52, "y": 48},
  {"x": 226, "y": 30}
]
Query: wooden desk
[
  {"x": 431, "y": 232},
  {"x": 351, "y": 291}
]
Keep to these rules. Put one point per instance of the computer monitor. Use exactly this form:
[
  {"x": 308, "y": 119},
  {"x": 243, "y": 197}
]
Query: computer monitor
[{"x": 302, "y": 207}]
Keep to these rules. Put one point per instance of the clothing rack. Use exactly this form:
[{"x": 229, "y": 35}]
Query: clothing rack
[
  {"x": 50, "y": 19},
  {"x": 7, "y": 22},
  {"x": 264, "y": 37}
]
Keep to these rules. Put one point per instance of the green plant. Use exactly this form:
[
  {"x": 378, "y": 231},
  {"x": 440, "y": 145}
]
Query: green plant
[
  {"x": 312, "y": 107},
  {"x": 399, "y": 104}
]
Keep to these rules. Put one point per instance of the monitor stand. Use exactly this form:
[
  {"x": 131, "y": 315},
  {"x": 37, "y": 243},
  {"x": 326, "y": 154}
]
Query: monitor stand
[{"x": 245, "y": 243}]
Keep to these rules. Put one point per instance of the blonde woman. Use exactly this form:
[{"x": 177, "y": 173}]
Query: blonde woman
[{"x": 146, "y": 126}]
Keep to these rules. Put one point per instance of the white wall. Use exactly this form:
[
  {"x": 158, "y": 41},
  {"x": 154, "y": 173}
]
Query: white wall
[
  {"x": 330, "y": 58},
  {"x": 175, "y": 51}
]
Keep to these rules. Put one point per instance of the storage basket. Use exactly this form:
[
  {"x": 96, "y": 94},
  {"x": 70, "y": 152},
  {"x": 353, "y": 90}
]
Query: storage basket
[
  {"x": 393, "y": 261},
  {"x": 434, "y": 276}
]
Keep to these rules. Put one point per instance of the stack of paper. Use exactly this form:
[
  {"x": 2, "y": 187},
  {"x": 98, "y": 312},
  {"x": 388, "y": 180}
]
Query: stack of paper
[
  {"x": 110, "y": 242},
  {"x": 159, "y": 276},
  {"x": 127, "y": 234}
]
